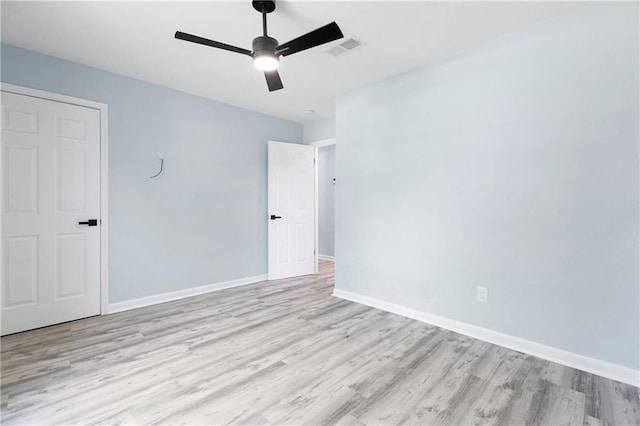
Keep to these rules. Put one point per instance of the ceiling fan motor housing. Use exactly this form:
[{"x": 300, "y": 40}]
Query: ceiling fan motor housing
[
  {"x": 267, "y": 6},
  {"x": 264, "y": 45}
]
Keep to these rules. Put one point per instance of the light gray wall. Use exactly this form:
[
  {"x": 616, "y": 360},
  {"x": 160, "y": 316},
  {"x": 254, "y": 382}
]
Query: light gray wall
[
  {"x": 512, "y": 166},
  {"x": 326, "y": 199},
  {"x": 204, "y": 220},
  {"x": 319, "y": 130}
]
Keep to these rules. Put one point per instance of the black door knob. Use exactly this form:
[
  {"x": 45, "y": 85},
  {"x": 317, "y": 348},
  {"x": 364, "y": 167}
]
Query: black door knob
[
  {"x": 90, "y": 222},
  {"x": 274, "y": 217}
]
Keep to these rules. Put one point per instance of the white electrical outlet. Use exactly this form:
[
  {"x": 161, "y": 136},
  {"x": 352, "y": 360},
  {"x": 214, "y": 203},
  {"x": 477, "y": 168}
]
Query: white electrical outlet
[{"x": 483, "y": 294}]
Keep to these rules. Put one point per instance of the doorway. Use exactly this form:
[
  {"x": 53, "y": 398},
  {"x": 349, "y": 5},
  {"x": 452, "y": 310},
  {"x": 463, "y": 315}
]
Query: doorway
[
  {"x": 325, "y": 190},
  {"x": 291, "y": 212}
]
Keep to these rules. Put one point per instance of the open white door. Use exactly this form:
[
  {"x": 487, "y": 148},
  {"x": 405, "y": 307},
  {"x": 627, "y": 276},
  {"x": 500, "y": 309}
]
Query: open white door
[
  {"x": 291, "y": 199},
  {"x": 50, "y": 186}
]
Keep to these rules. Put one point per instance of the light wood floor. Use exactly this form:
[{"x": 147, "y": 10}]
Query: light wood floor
[{"x": 286, "y": 352}]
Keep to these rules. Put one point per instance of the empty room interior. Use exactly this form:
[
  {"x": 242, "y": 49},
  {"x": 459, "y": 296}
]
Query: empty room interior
[{"x": 320, "y": 212}]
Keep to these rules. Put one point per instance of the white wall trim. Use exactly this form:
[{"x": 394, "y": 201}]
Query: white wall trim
[
  {"x": 324, "y": 142},
  {"x": 325, "y": 257},
  {"x": 316, "y": 209},
  {"x": 52, "y": 96},
  {"x": 104, "y": 211},
  {"x": 104, "y": 173},
  {"x": 181, "y": 294},
  {"x": 570, "y": 359}
]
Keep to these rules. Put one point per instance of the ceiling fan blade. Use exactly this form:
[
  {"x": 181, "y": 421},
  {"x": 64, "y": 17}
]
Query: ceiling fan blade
[
  {"x": 195, "y": 39},
  {"x": 315, "y": 38},
  {"x": 273, "y": 80}
]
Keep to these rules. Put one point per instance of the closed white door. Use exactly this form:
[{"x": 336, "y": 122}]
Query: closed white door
[
  {"x": 50, "y": 185},
  {"x": 291, "y": 218}
]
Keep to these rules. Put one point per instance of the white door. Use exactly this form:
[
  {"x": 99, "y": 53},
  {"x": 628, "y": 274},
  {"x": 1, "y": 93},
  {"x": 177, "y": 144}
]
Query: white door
[
  {"x": 291, "y": 210},
  {"x": 50, "y": 183}
]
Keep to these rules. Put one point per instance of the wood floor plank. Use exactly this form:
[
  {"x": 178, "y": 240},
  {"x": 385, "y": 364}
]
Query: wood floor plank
[
  {"x": 493, "y": 403},
  {"x": 287, "y": 352},
  {"x": 300, "y": 371},
  {"x": 318, "y": 403}
]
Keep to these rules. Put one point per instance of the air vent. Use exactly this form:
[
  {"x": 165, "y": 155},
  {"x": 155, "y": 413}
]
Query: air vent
[{"x": 346, "y": 45}]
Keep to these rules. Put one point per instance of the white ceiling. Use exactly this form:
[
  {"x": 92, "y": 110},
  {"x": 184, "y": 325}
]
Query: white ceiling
[{"x": 136, "y": 39}]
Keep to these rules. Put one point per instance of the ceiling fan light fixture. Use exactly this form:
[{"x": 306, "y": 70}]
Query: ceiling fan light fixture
[
  {"x": 266, "y": 62},
  {"x": 266, "y": 50}
]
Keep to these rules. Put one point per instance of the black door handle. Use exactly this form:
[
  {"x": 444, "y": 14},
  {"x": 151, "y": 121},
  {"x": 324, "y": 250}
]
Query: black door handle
[
  {"x": 90, "y": 222},
  {"x": 274, "y": 217}
]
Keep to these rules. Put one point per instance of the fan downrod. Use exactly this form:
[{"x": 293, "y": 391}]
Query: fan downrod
[{"x": 268, "y": 5}]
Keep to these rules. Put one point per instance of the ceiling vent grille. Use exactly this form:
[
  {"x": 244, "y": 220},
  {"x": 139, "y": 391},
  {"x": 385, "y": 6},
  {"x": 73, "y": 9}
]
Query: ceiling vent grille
[{"x": 346, "y": 45}]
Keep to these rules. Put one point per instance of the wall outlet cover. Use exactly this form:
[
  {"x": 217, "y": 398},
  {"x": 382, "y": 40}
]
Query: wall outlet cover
[{"x": 482, "y": 294}]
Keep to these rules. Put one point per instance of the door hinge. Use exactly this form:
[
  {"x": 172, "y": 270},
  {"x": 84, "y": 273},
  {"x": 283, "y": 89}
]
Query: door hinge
[{"x": 314, "y": 160}]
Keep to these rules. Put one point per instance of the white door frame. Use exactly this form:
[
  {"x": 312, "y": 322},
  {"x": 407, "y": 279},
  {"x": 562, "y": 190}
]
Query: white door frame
[
  {"x": 104, "y": 175},
  {"x": 318, "y": 144}
]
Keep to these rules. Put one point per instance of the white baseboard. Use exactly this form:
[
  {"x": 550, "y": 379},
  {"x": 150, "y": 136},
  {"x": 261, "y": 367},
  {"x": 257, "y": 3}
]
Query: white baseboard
[
  {"x": 181, "y": 294},
  {"x": 570, "y": 359},
  {"x": 325, "y": 257}
]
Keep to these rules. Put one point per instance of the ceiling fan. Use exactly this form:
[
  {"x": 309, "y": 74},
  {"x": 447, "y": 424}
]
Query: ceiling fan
[{"x": 266, "y": 50}]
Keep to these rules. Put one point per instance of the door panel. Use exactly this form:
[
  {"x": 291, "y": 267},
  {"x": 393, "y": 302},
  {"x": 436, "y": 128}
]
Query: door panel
[
  {"x": 301, "y": 243},
  {"x": 71, "y": 181},
  {"x": 70, "y": 268},
  {"x": 20, "y": 271},
  {"x": 20, "y": 121},
  {"x": 50, "y": 182},
  {"x": 291, "y": 190},
  {"x": 20, "y": 179}
]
